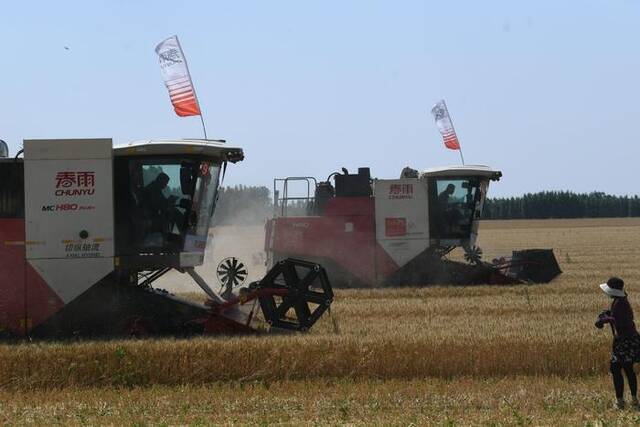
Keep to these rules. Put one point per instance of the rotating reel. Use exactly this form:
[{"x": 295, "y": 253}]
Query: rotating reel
[
  {"x": 231, "y": 273},
  {"x": 295, "y": 294},
  {"x": 473, "y": 254}
]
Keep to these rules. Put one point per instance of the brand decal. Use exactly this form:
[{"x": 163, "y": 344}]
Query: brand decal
[
  {"x": 394, "y": 227},
  {"x": 401, "y": 191},
  {"x": 81, "y": 183},
  {"x": 66, "y": 207},
  {"x": 82, "y": 250}
]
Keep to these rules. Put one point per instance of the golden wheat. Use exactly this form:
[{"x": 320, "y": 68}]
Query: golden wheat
[
  {"x": 388, "y": 333},
  {"x": 499, "y": 355}
]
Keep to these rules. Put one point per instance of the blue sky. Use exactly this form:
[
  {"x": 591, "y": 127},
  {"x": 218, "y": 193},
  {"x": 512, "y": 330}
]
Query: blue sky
[{"x": 545, "y": 91}]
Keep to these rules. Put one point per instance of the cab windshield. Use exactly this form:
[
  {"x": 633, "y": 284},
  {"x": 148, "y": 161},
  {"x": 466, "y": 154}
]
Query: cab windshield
[
  {"x": 164, "y": 205},
  {"x": 454, "y": 203}
]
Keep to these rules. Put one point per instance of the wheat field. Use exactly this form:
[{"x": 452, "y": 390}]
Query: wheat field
[{"x": 525, "y": 354}]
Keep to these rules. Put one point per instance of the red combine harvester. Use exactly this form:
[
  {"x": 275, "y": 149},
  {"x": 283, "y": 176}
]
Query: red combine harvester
[
  {"x": 376, "y": 232},
  {"x": 85, "y": 230}
]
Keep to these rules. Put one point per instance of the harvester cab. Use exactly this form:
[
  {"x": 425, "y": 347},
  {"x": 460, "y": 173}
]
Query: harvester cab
[
  {"x": 371, "y": 232},
  {"x": 86, "y": 228}
]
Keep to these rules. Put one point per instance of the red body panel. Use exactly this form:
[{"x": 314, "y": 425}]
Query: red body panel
[
  {"x": 42, "y": 301},
  {"x": 345, "y": 234},
  {"x": 385, "y": 266},
  {"x": 344, "y": 206},
  {"x": 12, "y": 272},
  {"x": 25, "y": 299}
]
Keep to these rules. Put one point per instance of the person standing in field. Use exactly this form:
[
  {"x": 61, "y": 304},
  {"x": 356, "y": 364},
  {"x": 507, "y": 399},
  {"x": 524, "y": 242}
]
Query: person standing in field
[{"x": 626, "y": 341}]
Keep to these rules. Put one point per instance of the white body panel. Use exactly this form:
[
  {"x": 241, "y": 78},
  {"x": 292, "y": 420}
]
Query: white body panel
[
  {"x": 69, "y": 216},
  {"x": 402, "y": 217},
  {"x": 71, "y": 277}
]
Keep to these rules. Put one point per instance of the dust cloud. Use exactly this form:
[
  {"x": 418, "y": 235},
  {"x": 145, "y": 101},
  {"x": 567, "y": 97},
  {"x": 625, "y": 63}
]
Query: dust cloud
[
  {"x": 245, "y": 242},
  {"x": 238, "y": 234}
]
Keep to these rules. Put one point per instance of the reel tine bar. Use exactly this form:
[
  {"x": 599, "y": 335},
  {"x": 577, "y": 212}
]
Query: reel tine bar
[{"x": 286, "y": 276}]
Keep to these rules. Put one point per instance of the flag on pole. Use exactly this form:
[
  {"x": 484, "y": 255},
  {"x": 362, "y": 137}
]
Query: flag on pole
[
  {"x": 445, "y": 126},
  {"x": 175, "y": 73}
]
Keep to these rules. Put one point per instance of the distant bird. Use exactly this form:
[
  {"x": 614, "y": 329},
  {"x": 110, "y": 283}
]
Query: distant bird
[{"x": 67, "y": 48}]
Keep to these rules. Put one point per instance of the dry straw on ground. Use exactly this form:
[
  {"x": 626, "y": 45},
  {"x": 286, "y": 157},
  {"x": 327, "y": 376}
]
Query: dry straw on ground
[{"x": 463, "y": 401}]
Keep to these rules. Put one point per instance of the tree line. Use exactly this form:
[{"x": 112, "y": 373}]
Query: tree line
[
  {"x": 562, "y": 204},
  {"x": 244, "y": 205}
]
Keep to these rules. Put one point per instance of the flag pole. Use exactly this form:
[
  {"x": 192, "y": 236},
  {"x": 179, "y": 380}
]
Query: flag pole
[
  {"x": 454, "y": 131},
  {"x": 204, "y": 129},
  {"x": 461, "y": 156},
  {"x": 195, "y": 93}
]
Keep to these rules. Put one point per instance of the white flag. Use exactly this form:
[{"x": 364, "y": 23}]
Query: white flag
[
  {"x": 175, "y": 73},
  {"x": 445, "y": 126}
]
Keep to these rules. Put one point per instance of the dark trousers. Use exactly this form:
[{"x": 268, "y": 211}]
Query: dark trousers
[{"x": 616, "y": 369}]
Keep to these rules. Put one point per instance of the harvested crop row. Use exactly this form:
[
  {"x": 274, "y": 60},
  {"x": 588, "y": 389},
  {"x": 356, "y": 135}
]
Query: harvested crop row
[
  {"x": 463, "y": 401},
  {"x": 204, "y": 361}
]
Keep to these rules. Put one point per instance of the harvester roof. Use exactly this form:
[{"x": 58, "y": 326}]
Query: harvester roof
[
  {"x": 466, "y": 170},
  {"x": 206, "y": 147}
]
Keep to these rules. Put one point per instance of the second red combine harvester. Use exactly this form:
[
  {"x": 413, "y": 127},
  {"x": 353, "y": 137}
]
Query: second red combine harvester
[{"x": 377, "y": 232}]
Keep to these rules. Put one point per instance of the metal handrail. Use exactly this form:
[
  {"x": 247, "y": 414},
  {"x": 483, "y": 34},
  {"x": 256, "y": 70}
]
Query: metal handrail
[{"x": 282, "y": 201}]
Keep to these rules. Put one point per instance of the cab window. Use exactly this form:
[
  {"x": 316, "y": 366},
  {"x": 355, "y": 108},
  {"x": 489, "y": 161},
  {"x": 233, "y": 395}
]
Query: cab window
[
  {"x": 453, "y": 204},
  {"x": 164, "y": 204}
]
